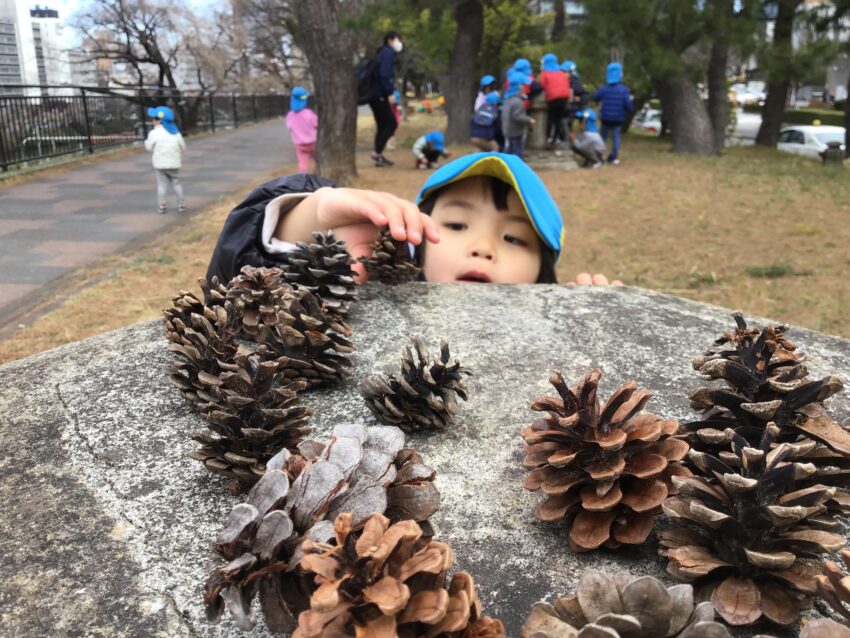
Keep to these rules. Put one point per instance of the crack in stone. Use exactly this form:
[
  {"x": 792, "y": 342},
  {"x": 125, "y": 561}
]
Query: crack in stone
[
  {"x": 182, "y": 615},
  {"x": 75, "y": 424}
]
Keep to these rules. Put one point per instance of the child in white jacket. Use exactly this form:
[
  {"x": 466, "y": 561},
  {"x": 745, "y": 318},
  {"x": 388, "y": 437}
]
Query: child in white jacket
[{"x": 167, "y": 146}]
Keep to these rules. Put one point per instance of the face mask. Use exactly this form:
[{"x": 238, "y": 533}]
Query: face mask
[{"x": 397, "y": 46}]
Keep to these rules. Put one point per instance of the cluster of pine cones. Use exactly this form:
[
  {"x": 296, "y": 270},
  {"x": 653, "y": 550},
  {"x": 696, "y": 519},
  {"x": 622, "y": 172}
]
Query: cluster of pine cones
[
  {"x": 334, "y": 537},
  {"x": 754, "y": 488}
]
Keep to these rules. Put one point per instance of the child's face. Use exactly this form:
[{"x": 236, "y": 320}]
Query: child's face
[{"x": 479, "y": 243}]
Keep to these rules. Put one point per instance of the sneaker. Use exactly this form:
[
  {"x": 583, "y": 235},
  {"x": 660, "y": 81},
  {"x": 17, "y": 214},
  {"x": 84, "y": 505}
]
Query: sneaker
[
  {"x": 162, "y": 210},
  {"x": 614, "y": 161},
  {"x": 181, "y": 209},
  {"x": 596, "y": 165},
  {"x": 380, "y": 160}
]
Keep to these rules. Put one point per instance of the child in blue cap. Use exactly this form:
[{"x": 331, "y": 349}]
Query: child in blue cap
[
  {"x": 588, "y": 143},
  {"x": 485, "y": 123},
  {"x": 486, "y": 86},
  {"x": 515, "y": 119},
  {"x": 166, "y": 145},
  {"x": 429, "y": 148},
  {"x": 616, "y": 103},
  {"x": 303, "y": 125}
]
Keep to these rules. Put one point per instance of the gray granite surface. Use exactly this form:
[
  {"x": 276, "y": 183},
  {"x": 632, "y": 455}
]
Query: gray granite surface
[{"x": 105, "y": 524}]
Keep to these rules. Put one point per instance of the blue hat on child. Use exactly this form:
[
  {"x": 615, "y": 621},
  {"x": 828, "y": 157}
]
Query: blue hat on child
[
  {"x": 523, "y": 66},
  {"x": 570, "y": 67},
  {"x": 516, "y": 79},
  {"x": 550, "y": 62},
  {"x": 438, "y": 142},
  {"x": 614, "y": 73},
  {"x": 298, "y": 98},
  {"x": 589, "y": 118},
  {"x": 539, "y": 205},
  {"x": 493, "y": 97},
  {"x": 486, "y": 80},
  {"x": 166, "y": 116}
]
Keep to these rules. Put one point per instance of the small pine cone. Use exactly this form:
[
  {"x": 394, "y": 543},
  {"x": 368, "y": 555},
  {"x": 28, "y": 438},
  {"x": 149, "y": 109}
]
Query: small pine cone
[
  {"x": 256, "y": 294},
  {"x": 252, "y": 414},
  {"x": 424, "y": 396},
  {"x": 833, "y": 585},
  {"x": 605, "y": 471},
  {"x": 623, "y": 606},
  {"x": 765, "y": 381},
  {"x": 361, "y": 471},
  {"x": 387, "y": 581},
  {"x": 324, "y": 268},
  {"x": 310, "y": 344},
  {"x": 390, "y": 262},
  {"x": 746, "y": 530}
]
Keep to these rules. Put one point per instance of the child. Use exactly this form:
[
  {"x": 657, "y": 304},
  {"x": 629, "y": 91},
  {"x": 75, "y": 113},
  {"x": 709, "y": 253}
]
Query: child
[
  {"x": 166, "y": 146},
  {"x": 303, "y": 125},
  {"x": 429, "y": 148},
  {"x": 578, "y": 94},
  {"x": 556, "y": 85},
  {"x": 486, "y": 217},
  {"x": 515, "y": 120},
  {"x": 485, "y": 121},
  {"x": 589, "y": 144},
  {"x": 616, "y": 102},
  {"x": 530, "y": 87},
  {"x": 486, "y": 86}
]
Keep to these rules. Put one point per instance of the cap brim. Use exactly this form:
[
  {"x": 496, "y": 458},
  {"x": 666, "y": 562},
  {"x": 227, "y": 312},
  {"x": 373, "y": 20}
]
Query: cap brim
[{"x": 538, "y": 204}]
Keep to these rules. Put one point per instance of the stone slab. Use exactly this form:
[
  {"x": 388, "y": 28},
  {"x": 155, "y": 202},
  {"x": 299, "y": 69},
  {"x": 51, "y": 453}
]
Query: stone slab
[{"x": 106, "y": 524}]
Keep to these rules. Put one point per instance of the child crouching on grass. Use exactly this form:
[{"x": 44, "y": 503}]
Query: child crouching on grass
[
  {"x": 429, "y": 148},
  {"x": 483, "y": 218}
]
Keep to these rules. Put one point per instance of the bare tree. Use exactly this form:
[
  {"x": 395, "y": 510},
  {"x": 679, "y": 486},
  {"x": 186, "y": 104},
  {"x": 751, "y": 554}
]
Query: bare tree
[
  {"x": 328, "y": 47},
  {"x": 271, "y": 29},
  {"x": 460, "y": 93},
  {"x": 137, "y": 33}
]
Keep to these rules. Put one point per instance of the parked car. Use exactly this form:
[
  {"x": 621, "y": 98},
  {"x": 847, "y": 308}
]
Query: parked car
[
  {"x": 650, "y": 121},
  {"x": 742, "y": 95},
  {"x": 808, "y": 139}
]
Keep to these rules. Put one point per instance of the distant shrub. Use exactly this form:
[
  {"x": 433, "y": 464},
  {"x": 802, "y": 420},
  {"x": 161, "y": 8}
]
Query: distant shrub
[{"x": 807, "y": 116}]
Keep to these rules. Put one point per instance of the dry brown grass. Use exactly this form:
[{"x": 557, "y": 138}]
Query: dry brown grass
[{"x": 754, "y": 229}]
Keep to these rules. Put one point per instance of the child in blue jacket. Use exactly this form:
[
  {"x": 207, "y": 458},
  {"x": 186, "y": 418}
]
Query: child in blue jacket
[{"x": 616, "y": 101}]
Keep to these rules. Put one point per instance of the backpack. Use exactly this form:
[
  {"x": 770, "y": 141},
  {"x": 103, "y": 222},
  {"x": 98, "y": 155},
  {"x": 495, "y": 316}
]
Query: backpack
[
  {"x": 365, "y": 73},
  {"x": 486, "y": 115}
]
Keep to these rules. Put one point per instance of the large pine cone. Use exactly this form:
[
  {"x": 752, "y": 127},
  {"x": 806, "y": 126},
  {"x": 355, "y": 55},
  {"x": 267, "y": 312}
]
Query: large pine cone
[
  {"x": 390, "y": 262},
  {"x": 424, "y": 396},
  {"x": 361, "y": 470},
  {"x": 252, "y": 414},
  {"x": 622, "y": 606},
  {"x": 605, "y": 471},
  {"x": 324, "y": 268},
  {"x": 766, "y": 382},
  {"x": 256, "y": 294},
  {"x": 747, "y": 530},
  {"x": 387, "y": 581},
  {"x": 310, "y": 345}
]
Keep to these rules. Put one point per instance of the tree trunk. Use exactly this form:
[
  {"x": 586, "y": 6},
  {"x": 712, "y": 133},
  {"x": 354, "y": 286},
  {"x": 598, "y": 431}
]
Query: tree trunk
[
  {"x": 460, "y": 93},
  {"x": 559, "y": 28},
  {"x": 847, "y": 121},
  {"x": 690, "y": 126},
  {"x": 328, "y": 49},
  {"x": 779, "y": 80},
  {"x": 718, "y": 94}
]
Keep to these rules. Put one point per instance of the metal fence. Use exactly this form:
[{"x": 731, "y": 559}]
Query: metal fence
[{"x": 42, "y": 121}]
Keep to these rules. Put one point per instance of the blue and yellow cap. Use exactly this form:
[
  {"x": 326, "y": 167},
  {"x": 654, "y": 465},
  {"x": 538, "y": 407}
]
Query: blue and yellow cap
[
  {"x": 538, "y": 203},
  {"x": 298, "y": 98}
]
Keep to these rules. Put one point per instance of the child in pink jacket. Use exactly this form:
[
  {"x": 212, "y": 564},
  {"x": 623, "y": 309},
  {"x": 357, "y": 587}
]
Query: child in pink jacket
[{"x": 303, "y": 125}]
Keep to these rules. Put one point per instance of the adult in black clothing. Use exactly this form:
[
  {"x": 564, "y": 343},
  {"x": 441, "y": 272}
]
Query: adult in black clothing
[{"x": 384, "y": 83}]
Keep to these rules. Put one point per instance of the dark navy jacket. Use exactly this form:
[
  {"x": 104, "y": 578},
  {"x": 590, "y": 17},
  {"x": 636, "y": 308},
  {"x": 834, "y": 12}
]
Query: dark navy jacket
[
  {"x": 616, "y": 102},
  {"x": 240, "y": 243},
  {"x": 384, "y": 72},
  {"x": 485, "y": 131},
  {"x": 578, "y": 91}
]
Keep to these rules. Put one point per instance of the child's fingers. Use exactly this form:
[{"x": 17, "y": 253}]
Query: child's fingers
[
  {"x": 412, "y": 221},
  {"x": 430, "y": 227},
  {"x": 584, "y": 279},
  {"x": 392, "y": 212},
  {"x": 347, "y": 207},
  {"x": 600, "y": 280}
]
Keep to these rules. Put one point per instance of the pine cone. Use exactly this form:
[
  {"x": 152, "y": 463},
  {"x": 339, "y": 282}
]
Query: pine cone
[
  {"x": 605, "y": 471},
  {"x": 747, "y": 530},
  {"x": 309, "y": 343},
  {"x": 360, "y": 471},
  {"x": 424, "y": 397},
  {"x": 833, "y": 585},
  {"x": 256, "y": 294},
  {"x": 324, "y": 268},
  {"x": 624, "y": 607},
  {"x": 766, "y": 382},
  {"x": 390, "y": 262},
  {"x": 387, "y": 582},
  {"x": 252, "y": 414}
]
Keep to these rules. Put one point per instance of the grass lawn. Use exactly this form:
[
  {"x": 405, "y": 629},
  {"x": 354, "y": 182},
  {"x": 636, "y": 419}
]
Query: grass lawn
[{"x": 754, "y": 229}]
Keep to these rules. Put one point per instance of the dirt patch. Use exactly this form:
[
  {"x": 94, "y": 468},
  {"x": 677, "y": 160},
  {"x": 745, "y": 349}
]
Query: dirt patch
[{"x": 754, "y": 229}]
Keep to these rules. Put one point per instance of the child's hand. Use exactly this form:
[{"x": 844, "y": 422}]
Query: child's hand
[
  {"x": 532, "y": 121},
  {"x": 584, "y": 279},
  {"x": 357, "y": 215}
]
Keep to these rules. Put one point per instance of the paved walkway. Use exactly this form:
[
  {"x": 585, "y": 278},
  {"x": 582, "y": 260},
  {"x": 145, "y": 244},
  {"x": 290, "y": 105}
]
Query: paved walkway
[{"x": 53, "y": 225}]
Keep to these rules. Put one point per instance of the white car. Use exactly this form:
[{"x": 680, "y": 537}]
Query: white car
[
  {"x": 651, "y": 121},
  {"x": 808, "y": 139}
]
